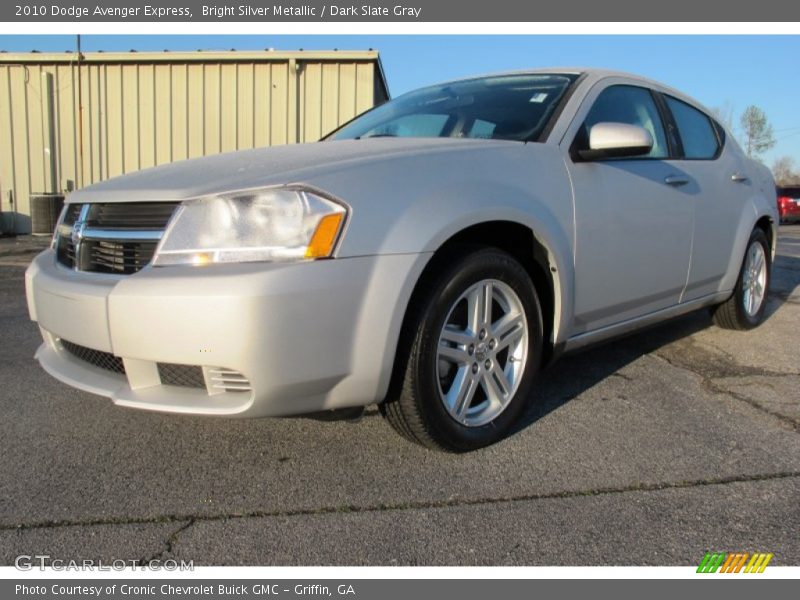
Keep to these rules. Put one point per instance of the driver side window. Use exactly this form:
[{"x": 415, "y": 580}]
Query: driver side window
[{"x": 631, "y": 105}]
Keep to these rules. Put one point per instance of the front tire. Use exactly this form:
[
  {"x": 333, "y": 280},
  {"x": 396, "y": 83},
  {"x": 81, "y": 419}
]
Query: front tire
[
  {"x": 473, "y": 347},
  {"x": 746, "y": 307}
]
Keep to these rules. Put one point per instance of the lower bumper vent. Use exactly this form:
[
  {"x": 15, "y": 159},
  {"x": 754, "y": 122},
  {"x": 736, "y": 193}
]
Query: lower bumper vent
[
  {"x": 181, "y": 375},
  {"x": 188, "y": 376},
  {"x": 226, "y": 380},
  {"x": 98, "y": 358}
]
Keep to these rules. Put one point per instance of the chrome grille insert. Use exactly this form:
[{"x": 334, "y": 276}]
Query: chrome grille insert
[
  {"x": 98, "y": 358},
  {"x": 119, "y": 257},
  {"x": 118, "y": 238}
]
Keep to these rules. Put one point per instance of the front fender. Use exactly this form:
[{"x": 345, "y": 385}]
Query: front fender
[
  {"x": 433, "y": 223},
  {"x": 415, "y": 203}
]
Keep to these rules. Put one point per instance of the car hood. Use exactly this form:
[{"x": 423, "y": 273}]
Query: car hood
[{"x": 299, "y": 163}]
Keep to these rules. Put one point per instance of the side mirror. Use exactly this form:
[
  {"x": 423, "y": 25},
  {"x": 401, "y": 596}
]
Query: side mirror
[{"x": 617, "y": 140}]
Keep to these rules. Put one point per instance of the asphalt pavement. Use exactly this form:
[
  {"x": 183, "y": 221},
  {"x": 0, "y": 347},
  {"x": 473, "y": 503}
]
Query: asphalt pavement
[{"x": 649, "y": 450}]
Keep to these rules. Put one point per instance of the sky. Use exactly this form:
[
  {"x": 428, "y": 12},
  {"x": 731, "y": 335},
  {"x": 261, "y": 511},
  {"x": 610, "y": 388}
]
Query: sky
[{"x": 730, "y": 72}]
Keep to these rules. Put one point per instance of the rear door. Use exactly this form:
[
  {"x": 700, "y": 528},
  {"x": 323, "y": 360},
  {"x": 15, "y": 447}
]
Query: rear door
[
  {"x": 633, "y": 216},
  {"x": 723, "y": 193}
]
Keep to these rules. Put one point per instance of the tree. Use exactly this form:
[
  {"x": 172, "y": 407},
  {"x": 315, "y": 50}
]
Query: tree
[
  {"x": 724, "y": 114},
  {"x": 784, "y": 172},
  {"x": 757, "y": 131}
]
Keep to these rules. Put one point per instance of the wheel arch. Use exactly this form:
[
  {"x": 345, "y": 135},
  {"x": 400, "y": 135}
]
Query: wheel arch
[
  {"x": 767, "y": 225},
  {"x": 748, "y": 222},
  {"x": 531, "y": 250},
  {"x": 521, "y": 242}
]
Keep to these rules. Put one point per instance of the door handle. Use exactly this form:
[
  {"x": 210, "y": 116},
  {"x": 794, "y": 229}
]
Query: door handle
[
  {"x": 676, "y": 180},
  {"x": 739, "y": 178}
]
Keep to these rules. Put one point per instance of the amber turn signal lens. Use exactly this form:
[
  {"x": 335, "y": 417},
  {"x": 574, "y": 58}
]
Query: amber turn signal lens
[{"x": 321, "y": 244}]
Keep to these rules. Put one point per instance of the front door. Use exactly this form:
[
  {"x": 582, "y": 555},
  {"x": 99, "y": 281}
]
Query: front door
[{"x": 633, "y": 219}]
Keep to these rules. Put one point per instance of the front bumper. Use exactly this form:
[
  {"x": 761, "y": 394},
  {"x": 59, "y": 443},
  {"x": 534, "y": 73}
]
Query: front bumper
[{"x": 292, "y": 338}]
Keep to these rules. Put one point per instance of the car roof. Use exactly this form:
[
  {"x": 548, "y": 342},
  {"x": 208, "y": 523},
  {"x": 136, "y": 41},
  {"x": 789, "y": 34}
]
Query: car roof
[
  {"x": 589, "y": 72},
  {"x": 592, "y": 75}
]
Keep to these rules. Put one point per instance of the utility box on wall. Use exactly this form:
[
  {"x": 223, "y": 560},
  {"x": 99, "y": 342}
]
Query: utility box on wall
[{"x": 68, "y": 121}]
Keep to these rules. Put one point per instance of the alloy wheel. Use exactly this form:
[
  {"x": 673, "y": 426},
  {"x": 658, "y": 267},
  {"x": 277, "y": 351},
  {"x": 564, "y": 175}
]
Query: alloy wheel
[
  {"x": 482, "y": 352},
  {"x": 754, "y": 279}
]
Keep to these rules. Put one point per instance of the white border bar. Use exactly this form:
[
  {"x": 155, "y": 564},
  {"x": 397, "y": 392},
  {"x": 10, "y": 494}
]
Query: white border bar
[
  {"x": 353, "y": 573},
  {"x": 380, "y": 28}
]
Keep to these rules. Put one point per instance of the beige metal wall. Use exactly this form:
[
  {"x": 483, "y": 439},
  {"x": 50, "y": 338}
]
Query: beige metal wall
[{"x": 65, "y": 124}]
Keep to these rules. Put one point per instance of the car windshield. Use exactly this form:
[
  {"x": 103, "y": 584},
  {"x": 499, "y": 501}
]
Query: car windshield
[{"x": 505, "y": 107}]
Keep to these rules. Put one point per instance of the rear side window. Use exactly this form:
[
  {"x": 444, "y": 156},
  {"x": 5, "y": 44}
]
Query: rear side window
[
  {"x": 631, "y": 105},
  {"x": 696, "y": 130}
]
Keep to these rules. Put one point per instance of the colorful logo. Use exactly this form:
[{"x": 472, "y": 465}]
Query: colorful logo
[{"x": 734, "y": 562}]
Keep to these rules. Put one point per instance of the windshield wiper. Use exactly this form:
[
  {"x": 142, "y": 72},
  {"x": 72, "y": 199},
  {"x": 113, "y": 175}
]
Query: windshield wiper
[{"x": 375, "y": 135}]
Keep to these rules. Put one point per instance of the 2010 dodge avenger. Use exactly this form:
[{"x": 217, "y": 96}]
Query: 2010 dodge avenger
[{"x": 430, "y": 256}]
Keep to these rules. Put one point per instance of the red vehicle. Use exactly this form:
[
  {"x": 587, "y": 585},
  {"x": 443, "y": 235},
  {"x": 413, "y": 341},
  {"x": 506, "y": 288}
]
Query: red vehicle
[{"x": 789, "y": 203}]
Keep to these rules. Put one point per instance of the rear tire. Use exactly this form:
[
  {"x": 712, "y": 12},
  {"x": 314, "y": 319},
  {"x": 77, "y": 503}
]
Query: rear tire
[
  {"x": 746, "y": 307},
  {"x": 466, "y": 366}
]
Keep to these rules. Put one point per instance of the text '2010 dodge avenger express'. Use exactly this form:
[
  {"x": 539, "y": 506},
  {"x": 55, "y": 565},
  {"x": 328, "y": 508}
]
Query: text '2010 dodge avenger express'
[{"x": 430, "y": 256}]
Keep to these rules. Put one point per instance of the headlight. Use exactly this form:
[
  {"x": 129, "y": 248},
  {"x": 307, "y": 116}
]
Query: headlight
[{"x": 271, "y": 224}]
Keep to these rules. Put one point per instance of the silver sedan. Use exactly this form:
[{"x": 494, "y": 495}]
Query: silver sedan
[{"x": 430, "y": 256}]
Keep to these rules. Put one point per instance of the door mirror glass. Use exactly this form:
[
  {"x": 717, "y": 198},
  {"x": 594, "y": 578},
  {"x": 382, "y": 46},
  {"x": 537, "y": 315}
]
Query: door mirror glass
[{"x": 617, "y": 140}]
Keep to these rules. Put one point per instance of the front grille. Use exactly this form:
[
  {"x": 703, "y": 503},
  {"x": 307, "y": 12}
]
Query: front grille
[
  {"x": 65, "y": 249},
  {"x": 131, "y": 215},
  {"x": 71, "y": 212},
  {"x": 124, "y": 258},
  {"x": 117, "y": 238},
  {"x": 181, "y": 375},
  {"x": 98, "y": 358},
  {"x": 65, "y": 252}
]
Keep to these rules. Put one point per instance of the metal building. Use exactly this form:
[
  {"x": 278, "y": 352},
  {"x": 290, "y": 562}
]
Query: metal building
[{"x": 67, "y": 121}]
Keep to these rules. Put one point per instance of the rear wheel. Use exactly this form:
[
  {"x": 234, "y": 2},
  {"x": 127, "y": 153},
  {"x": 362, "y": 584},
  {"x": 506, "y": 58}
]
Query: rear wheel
[
  {"x": 475, "y": 330},
  {"x": 745, "y": 308}
]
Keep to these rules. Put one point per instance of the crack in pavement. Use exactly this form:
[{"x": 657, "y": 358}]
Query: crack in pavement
[
  {"x": 709, "y": 383},
  {"x": 709, "y": 365},
  {"x": 188, "y": 520},
  {"x": 714, "y": 387},
  {"x": 622, "y": 375},
  {"x": 770, "y": 385},
  {"x": 168, "y": 544}
]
